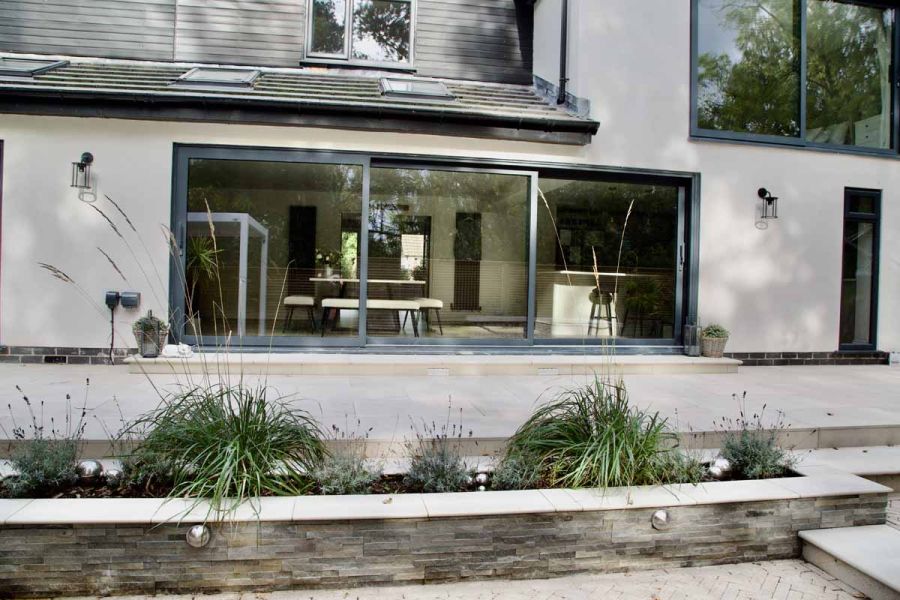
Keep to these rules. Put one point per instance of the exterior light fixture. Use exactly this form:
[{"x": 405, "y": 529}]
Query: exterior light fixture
[
  {"x": 770, "y": 204},
  {"x": 81, "y": 172}
]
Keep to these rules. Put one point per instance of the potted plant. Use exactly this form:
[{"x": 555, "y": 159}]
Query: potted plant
[
  {"x": 713, "y": 338},
  {"x": 151, "y": 334}
]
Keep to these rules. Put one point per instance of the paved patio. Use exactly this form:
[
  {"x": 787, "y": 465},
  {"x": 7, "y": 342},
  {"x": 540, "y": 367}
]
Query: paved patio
[
  {"x": 781, "y": 580},
  {"x": 811, "y": 397}
]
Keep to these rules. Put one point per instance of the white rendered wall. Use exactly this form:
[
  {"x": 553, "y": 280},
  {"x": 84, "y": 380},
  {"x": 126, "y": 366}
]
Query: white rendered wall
[{"x": 776, "y": 289}]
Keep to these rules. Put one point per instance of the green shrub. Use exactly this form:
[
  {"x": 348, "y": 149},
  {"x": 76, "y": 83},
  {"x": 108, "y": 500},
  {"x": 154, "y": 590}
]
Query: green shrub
[
  {"x": 44, "y": 460},
  {"x": 436, "y": 464},
  {"x": 591, "y": 437},
  {"x": 714, "y": 330},
  {"x": 345, "y": 472},
  {"x": 229, "y": 444},
  {"x": 516, "y": 473},
  {"x": 752, "y": 446}
]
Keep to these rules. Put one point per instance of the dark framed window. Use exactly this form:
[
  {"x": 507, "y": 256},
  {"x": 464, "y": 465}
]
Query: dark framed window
[
  {"x": 813, "y": 73},
  {"x": 859, "y": 270},
  {"x": 355, "y": 249},
  {"x": 372, "y": 32}
]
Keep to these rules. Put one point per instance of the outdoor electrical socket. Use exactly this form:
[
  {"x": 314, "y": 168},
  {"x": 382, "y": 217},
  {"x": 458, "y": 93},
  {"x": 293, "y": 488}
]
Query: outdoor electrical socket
[
  {"x": 112, "y": 300},
  {"x": 130, "y": 299}
]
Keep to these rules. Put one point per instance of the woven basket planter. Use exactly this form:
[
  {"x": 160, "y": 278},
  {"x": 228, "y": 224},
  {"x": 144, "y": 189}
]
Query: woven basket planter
[{"x": 712, "y": 347}]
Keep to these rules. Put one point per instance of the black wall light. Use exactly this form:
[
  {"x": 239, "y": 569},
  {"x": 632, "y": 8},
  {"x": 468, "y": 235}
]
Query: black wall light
[
  {"x": 770, "y": 204},
  {"x": 81, "y": 172}
]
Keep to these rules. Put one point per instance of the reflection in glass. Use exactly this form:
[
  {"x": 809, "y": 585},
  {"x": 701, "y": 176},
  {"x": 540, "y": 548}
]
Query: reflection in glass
[
  {"x": 849, "y": 74},
  {"x": 329, "y": 24},
  {"x": 277, "y": 250},
  {"x": 748, "y": 76},
  {"x": 456, "y": 244},
  {"x": 857, "y": 283},
  {"x": 381, "y": 30},
  {"x": 606, "y": 259}
]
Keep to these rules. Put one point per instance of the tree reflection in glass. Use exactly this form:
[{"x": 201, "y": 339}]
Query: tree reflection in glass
[
  {"x": 748, "y": 66},
  {"x": 849, "y": 74},
  {"x": 329, "y": 23},
  {"x": 381, "y": 30}
]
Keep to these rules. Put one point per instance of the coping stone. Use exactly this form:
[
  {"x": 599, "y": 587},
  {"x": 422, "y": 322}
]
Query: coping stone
[{"x": 870, "y": 549}]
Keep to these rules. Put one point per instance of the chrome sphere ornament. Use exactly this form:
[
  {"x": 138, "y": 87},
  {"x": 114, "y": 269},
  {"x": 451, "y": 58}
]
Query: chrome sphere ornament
[
  {"x": 660, "y": 520},
  {"x": 723, "y": 465},
  {"x": 198, "y": 536},
  {"x": 481, "y": 488},
  {"x": 113, "y": 477},
  {"x": 481, "y": 478},
  {"x": 89, "y": 471}
]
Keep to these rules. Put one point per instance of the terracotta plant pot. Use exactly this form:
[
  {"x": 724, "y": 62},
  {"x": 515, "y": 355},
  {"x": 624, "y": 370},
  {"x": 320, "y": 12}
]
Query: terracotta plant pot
[{"x": 713, "y": 347}]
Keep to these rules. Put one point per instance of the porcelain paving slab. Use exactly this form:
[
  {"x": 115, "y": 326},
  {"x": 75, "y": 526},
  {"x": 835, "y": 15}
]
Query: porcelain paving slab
[
  {"x": 493, "y": 406},
  {"x": 872, "y": 550}
]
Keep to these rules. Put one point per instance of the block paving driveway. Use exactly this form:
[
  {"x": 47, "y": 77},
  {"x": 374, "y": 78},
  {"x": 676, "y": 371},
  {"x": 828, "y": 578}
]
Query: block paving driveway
[{"x": 781, "y": 580}]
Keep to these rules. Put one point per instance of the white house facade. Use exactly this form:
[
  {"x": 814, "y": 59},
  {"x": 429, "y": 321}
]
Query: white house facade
[{"x": 374, "y": 175}]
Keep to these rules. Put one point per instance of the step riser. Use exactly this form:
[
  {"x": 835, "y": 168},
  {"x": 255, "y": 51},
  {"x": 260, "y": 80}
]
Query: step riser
[
  {"x": 445, "y": 370},
  {"x": 852, "y": 577}
]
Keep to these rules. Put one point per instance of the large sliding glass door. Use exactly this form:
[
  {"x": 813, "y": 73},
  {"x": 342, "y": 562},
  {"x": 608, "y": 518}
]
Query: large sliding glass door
[
  {"x": 608, "y": 260},
  {"x": 288, "y": 248},
  {"x": 264, "y": 247},
  {"x": 456, "y": 243}
]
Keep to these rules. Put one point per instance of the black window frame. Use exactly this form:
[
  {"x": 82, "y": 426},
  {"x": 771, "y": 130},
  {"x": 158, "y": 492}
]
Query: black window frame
[
  {"x": 873, "y": 217},
  {"x": 688, "y": 259},
  {"x": 698, "y": 133},
  {"x": 346, "y": 57}
]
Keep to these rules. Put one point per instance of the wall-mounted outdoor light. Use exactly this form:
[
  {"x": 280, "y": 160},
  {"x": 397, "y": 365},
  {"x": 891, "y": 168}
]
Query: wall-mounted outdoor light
[
  {"x": 81, "y": 172},
  {"x": 770, "y": 204}
]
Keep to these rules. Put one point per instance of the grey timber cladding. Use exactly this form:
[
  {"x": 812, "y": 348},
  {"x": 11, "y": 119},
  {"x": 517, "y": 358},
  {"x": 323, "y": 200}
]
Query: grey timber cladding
[
  {"x": 108, "y": 28},
  {"x": 486, "y": 40},
  {"x": 251, "y": 32}
]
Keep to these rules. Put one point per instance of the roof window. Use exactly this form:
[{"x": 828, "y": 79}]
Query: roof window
[
  {"x": 415, "y": 89},
  {"x": 27, "y": 67},
  {"x": 219, "y": 77}
]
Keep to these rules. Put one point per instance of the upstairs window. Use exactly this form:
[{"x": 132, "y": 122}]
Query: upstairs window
[
  {"x": 801, "y": 72},
  {"x": 361, "y": 31},
  {"x": 27, "y": 67}
]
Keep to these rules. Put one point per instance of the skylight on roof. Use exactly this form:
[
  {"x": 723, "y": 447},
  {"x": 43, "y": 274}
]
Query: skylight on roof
[
  {"x": 204, "y": 76},
  {"x": 27, "y": 67},
  {"x": 416, "y": 89}
]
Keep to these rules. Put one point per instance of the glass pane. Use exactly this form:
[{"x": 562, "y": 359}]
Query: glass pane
[
  {"x": 857, "y": 281},
  {"x": 849, "y": 74},
  {"x": 381, "y": 30},
  {"x": 861, "y": 203},
  {"x": 606, "y": 263},
  {"x": 290, "y": 218},
  {"x": 329, "y": 24},
  {"x": 454, "y": 243},
  {"x": 748, "y": 78}
]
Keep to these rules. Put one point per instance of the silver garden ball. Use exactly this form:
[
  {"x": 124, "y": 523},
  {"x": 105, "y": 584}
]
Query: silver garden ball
[
  {"x": 89, "y": 471},
  {"x": 198, "y": 536},
  {"x": 723, "y": 465},
  {"x": 113, "y": 477},
  {"x": 481, "y": 488},
  {"x": 481, "y": 478},
  {"x": 660, "y": 520}
]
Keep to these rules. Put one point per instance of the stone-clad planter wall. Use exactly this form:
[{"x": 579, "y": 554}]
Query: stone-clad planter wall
[{"x": 459, "y": 536}]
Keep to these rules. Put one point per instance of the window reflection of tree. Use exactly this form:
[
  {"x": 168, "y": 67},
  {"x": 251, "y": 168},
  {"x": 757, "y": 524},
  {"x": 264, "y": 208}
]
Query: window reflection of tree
[{"x": 381, "y": 30}]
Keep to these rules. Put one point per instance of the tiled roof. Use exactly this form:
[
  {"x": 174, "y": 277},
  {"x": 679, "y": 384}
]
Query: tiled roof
[{"x": 307, "y": 91}]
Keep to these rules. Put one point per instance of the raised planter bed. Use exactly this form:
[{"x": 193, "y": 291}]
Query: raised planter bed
[{"x": 106, "y": 546}]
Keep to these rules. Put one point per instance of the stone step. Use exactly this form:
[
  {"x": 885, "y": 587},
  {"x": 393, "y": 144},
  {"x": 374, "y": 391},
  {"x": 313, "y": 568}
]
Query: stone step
[
  {"x": 350, "y": 364},
  {"x": 866, "y": 558}
]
